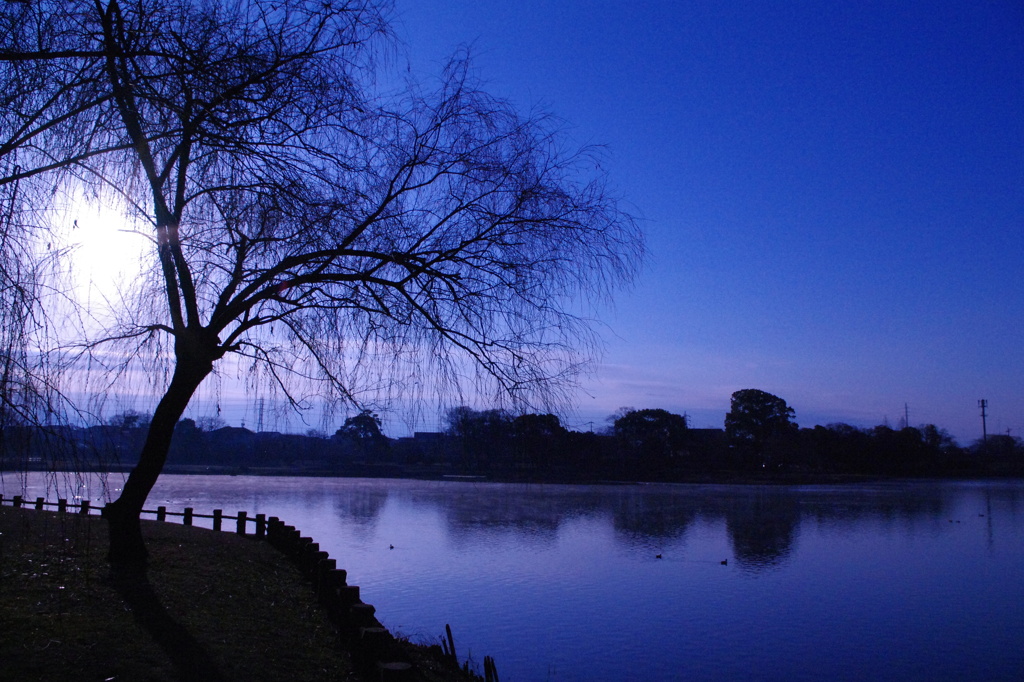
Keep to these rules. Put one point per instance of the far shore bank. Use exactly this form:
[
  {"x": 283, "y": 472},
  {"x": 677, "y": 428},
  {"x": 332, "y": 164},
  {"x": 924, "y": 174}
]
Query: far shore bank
[{"x": 389, "y": 472}]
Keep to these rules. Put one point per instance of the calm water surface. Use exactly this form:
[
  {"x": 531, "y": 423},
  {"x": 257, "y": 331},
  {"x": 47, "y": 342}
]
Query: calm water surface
[{"x": 895, "y": 581}]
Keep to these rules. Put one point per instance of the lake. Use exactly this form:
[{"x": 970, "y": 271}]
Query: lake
[{"x": 919, "y": 580}]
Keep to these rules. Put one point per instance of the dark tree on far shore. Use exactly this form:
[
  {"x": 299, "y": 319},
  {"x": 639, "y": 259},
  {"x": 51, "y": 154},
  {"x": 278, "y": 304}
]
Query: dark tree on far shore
[
  {"x": 759, "y": 422},
  {"x": 309, "y": 231},
  {"x": 651, "y": 437},
  {"x": 363, "y": 432},
  {"x": 364, "y": 426}
]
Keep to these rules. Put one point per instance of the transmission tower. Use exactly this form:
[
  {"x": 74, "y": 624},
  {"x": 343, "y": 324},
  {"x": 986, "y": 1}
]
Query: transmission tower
[{"x": 983, "y": 404}]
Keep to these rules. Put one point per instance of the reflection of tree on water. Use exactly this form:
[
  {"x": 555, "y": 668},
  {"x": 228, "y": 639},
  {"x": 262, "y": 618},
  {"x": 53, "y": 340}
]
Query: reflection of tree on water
[
  {"x": 651, "y": 519},
  {"x": 641, "y": 517},
  {"x": 762, "y": 528},
  {"x": 539, "y": 511},
  {"x": 362, "y": 506},
  {"x": 536, "y": 513},
  {"x": 761, "y": 522},
  {"x": 900, "y": 502}
]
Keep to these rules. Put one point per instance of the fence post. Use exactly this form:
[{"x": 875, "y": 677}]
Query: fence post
[
  {"x": 62, "y": 505},
  {"x": 240, "y": 526},
  {"x": 161, "y": 513},
  {"x": 261, "y": 525},
  {"x": 186, "y": 520},
  {"x": 17, "y": 501},
  {"x": 39, "y": 503},
  {"x": 84, "y": 511},
  {"x": 217, "y": 515},
  {"x": 362, "y": 615},
  {"x": 348, "y": 594}
]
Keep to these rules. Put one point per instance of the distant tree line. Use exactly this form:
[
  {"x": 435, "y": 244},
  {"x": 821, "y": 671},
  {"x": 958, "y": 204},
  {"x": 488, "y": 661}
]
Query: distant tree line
[{"x": 760, "y": 440}]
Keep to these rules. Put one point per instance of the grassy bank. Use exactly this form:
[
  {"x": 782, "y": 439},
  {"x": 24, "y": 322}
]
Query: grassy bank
[{"x": 212, "y": 606}]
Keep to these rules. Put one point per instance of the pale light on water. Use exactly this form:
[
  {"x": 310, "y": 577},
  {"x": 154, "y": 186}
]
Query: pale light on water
[{"x": 896, "y": 581}]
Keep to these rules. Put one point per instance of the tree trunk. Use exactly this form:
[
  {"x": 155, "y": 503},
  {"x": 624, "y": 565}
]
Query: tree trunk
[{"x": 127, "y": 547}]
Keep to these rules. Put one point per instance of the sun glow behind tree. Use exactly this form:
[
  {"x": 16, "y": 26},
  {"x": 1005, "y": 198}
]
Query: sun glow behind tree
[{"x": 106, "y": 250}]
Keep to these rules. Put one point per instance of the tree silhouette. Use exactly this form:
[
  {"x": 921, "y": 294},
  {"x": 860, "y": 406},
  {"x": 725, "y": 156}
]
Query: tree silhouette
[
  {"x": 363, "y": 426},
  {"x": 302, "y": 224},
  {"x": 757, "y": 420},
  {"x": 650, "y": 437},
  {"x": 483, "y": 436},
  {"x": 539, "y": 440},
  {"x": 363, "y": 432}
]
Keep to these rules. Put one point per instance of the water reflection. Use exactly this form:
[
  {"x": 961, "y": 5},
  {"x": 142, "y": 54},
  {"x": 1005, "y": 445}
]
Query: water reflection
[
  {"x": 762, "y": 528},
  {"x": 362, "y": 506},
  {"x": 532, "y": 511},
  {"x": 650, "y": 518},
  {"x": 889, "y": 503}
]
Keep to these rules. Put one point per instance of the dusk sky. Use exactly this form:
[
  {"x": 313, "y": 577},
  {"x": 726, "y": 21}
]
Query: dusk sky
[{"x": 833, "y": 195}]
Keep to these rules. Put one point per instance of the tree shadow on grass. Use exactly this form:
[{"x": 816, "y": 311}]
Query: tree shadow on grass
[{"x": 189, "y": 657}]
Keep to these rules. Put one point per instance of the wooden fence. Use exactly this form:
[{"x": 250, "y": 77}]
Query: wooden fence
[{"x": 242, "y": 519}]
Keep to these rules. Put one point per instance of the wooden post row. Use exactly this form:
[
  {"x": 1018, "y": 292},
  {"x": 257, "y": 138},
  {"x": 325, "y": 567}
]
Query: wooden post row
[{"x": 263, "y": 525}]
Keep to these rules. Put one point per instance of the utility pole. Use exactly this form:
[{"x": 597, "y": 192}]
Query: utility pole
[
  {"x": 983, "y": 404},
  {"x": 906, "y": 416}
]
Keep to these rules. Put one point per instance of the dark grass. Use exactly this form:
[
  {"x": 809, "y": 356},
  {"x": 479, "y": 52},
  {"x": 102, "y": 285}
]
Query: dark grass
[{"x": 212, "y": 606}]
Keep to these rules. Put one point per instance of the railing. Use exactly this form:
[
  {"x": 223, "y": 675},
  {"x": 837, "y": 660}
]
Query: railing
[{"x": 242, "y": 519}]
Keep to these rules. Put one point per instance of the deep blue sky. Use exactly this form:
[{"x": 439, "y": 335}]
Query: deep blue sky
[{"x": 833, "y": 195}]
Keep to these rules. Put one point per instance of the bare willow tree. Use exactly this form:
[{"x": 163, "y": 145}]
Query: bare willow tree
[
  {"x": 29, "y": 394},
  {"x": 18, "y": 300},
  {"x": 305, "y": 224}
]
